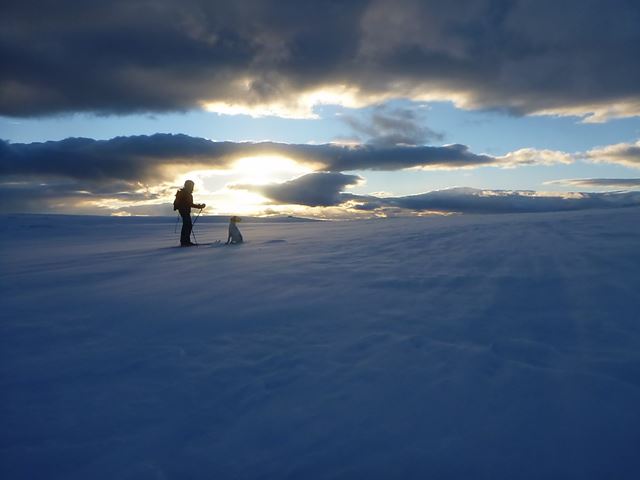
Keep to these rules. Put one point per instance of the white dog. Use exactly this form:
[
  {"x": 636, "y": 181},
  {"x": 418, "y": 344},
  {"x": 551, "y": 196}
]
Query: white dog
[{"x": 234, "y": 233}]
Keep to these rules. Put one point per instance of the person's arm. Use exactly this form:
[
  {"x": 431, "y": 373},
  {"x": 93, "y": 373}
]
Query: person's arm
[{"x": 195, "y": 205}]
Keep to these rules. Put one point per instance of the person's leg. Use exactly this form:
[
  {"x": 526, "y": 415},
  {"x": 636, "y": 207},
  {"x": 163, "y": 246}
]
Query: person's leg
[{"x": 185, "y": 233}]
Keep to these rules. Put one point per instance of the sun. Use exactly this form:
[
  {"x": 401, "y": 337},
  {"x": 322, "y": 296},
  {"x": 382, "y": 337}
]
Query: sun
[
  {"x": 263, "y": 169},
  {"x": 215, "y": 187}
]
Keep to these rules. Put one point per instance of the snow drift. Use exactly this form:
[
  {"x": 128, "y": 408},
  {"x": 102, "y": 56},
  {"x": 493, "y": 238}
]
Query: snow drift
[{"x": 484, "y": 347}]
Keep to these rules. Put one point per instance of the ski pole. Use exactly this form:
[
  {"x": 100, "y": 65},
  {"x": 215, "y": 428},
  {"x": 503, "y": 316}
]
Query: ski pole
[
  {"x": 199, "y": 212},
  {"x": 175, "y": 228},
  {"x": 195, "y": 240}
]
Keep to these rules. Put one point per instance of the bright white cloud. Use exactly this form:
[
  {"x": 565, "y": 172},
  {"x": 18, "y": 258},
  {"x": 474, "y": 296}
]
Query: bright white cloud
[
  {"x": 532, "y": 156},
  {"x": 627, "y": 154}
]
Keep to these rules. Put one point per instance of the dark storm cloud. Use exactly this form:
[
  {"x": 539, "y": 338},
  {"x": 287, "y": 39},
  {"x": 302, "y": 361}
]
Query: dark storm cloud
[
  {"x": 82, "y": 168},
  {"x": 370, "y": 157},
  {"x": 143, "y": 158},
  {"x": 469, "y": 200},
  {"x": 320, "y": 189},
  {"x": 573, "y": 56},
  {"x": 134, "y": 55},
  {"x": 125, "y": 168},
  {"x": 135, "y": 158}
]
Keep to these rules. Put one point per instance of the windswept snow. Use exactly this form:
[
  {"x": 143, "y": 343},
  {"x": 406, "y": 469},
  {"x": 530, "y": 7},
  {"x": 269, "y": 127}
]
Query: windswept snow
[{"x": 471, "y": 347}]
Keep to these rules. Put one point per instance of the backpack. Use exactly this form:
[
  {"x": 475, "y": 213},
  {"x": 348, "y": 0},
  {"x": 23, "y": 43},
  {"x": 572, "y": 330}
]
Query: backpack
[{"x": 178, "y": 203}]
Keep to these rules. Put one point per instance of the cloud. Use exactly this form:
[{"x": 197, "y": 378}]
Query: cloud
[
  {"x": 469, "y": 200},
  {"x": 320, "y": 189},
  {"x": 392, "y": 127},
  {"x": 144, "y": 159},
  {"x": 266, "y": 56},
  {"x": 624, "y": 183},
  {"x": 141, "y": 169},
  {"x": 532, "y": 156},
  {"x": 69, "y": 196},
  {"x": 370, "y": 157},
  {"x": 626, "y": 154},
  {"x": 129, "y": 159},
  {"x": 326, "y": 189}
]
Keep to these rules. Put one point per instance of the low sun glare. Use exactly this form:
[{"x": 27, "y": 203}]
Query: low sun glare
[
  {"x": 213, "y": 186},
  {"x": 267, "y": 169}
]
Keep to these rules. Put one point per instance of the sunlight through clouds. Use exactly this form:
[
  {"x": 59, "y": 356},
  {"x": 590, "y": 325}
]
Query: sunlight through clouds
[
  {"x": 299, "y": 106},
  {"x": 267, "y": 168},
  {"x": 212, "y": 185}
]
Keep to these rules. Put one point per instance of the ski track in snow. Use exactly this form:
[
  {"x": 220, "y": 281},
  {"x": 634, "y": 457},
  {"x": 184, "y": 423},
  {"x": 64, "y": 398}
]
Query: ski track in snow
[{"x": 474, "y": 347}]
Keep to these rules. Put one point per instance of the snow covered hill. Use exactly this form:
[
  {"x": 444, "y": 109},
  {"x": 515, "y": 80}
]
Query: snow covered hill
[{"x": 471, "y": 347}]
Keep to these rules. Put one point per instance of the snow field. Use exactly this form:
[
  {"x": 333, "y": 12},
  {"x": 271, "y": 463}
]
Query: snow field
[{"x": 466, "y": 347}]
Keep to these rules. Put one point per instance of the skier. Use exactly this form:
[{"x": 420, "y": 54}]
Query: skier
[
  {"x": 183, "y": 203},
  {"x": 234, "y": 233}
]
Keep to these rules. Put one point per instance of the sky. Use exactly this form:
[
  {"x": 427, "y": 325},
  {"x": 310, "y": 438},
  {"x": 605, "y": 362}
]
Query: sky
[{"x": 330, "y": 109}]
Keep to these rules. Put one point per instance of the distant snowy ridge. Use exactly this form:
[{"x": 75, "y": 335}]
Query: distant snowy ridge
[{"x": 473, "y": 200}]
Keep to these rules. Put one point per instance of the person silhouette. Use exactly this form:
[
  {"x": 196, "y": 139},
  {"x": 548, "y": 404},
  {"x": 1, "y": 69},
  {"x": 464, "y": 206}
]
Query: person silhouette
[
  {"x": 183, "y": 203},
  {"x": 234, "y": 233}
]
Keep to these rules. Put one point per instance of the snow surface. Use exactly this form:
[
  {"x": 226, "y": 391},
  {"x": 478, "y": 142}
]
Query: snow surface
[{"x": 470, "y": 347}]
